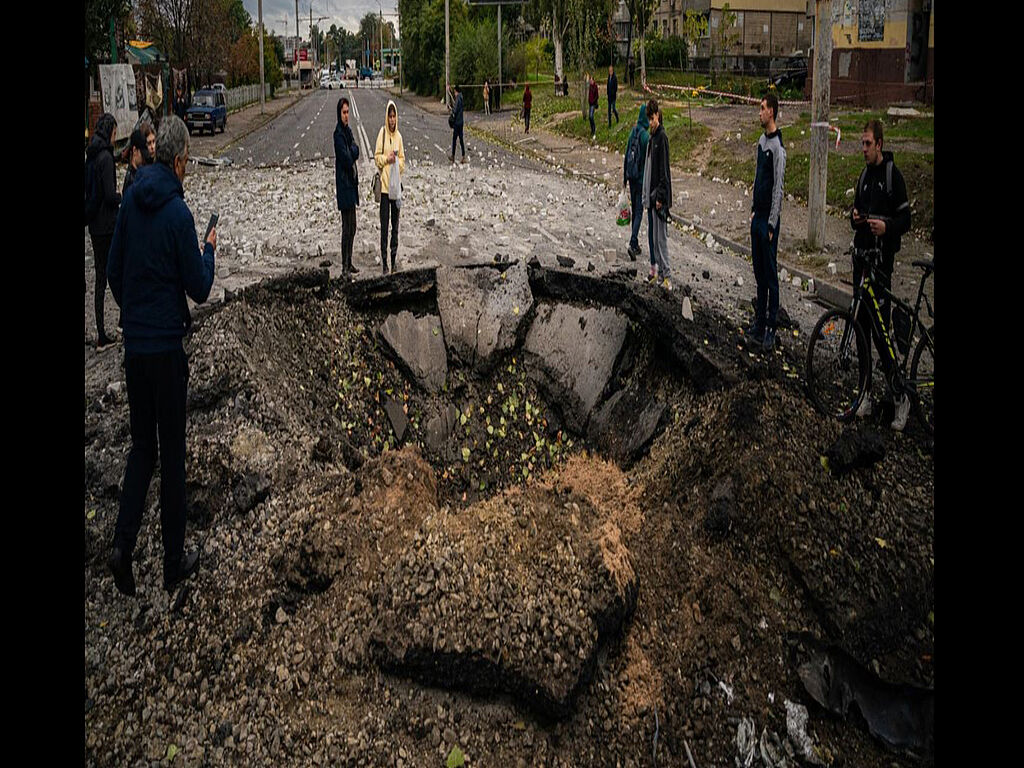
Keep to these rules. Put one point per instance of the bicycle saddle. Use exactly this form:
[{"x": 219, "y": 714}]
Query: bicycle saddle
[{"x": 924, "y": 263}]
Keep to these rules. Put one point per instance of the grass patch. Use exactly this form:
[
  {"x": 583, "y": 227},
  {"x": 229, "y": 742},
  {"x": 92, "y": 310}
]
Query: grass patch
[{"x": 920, "y": 129}]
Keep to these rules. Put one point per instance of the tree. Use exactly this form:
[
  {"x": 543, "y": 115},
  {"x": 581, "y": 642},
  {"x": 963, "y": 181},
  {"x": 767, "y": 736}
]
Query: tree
[
  {"x": 723, "y": 38},
  {"x": 695, "y": 26},
  {"x": 239, "y": 20},
  {"x": 98, "y": 14},
  {"x": 169, "y": 24},
  {"x": 640, "y": 13}
]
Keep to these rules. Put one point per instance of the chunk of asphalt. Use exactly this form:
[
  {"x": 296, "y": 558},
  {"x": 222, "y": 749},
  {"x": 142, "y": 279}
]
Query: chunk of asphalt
[
  {"x": 417, "y": 345},
  {"x": 396, "y": 416}
]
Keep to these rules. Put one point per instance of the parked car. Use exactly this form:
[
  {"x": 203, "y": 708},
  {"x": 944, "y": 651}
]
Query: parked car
[
  {"x": 208, "y": 111},
  {"x": 795, "y": 73},
  {"x": 365, "y": 73}
]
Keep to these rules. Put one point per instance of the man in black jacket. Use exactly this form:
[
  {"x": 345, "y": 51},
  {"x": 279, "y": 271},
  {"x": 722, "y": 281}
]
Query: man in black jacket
[
  {"x": 346, "y": 184},
  {"x": 765, "y": 212},
  {"x": 658, "y": 193},
  {"x": 613, "y": 90},
  {"x": 457, "y": 125},
  {"x": 880, "y": 217},
  {"x": 106, "y": 200}
]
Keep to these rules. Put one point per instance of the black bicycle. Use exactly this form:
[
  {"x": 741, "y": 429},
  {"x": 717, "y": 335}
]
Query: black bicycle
[{"x": 839, "y": 353}]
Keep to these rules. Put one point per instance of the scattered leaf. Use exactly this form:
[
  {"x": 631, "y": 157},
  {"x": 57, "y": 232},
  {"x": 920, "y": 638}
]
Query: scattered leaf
[
  {"x": 465, "y": 454},
  {"x": 90, "y": 514},
  {"x": 824, "y": 462},
  {"x": 435, "y": 331},
  {"x": 172, "y": 750},
  {"x": 881, "y": 542}
]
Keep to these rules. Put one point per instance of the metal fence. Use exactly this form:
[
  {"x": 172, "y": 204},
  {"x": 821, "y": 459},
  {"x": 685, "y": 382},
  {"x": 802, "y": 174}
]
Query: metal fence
[{"x": 244, "y": 94}]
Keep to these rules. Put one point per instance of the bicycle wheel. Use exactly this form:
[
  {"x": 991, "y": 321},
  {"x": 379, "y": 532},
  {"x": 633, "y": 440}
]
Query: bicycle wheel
[
  {"x": 838, "y": 365},
  {"x": 922, "y": 379}
]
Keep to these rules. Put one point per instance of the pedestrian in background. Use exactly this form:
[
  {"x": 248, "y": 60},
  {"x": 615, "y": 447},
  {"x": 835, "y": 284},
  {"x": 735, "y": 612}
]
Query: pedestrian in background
[
  {"x": 346, "y": 184},
  {"x": 140, "y": 153},
  {"x": 633, "y": 174},
  {"x": 102, "y": 203},
  {"x": 658, "y": 194},
  {"x": 765, "y": 209},
  {"x": 155, "y": 262},
  {"x": 487, "y": 100},
  {"x": 592, "y": 98},
  {"x": 613, "y": 90},
  {"x": 389, "y": 151},
  {"x": 457, "y": 125},
  {"x": 527, "y": 104}
]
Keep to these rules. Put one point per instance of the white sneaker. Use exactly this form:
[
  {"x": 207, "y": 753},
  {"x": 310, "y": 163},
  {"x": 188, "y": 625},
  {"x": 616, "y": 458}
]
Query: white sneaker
[
  {"x": 902, "y": 411},
  {"x": 864, "y": 409}
]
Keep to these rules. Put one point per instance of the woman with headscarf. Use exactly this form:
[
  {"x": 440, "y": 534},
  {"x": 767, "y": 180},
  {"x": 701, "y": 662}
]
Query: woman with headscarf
[
  {"x": 389, "y": 151},
  {"x": 105, "y": 201},
  {"x": 346, "y": 184}
]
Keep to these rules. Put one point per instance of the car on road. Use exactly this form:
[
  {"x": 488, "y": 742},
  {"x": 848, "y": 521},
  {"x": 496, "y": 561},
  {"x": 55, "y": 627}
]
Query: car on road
[
  {"x": 208, "y": 111},
  {"x": 365, "y": 73}
]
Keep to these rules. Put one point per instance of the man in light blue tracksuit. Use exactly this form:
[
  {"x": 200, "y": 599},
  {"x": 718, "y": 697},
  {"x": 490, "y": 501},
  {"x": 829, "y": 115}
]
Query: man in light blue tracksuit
[{"x": 766, "y": 205}]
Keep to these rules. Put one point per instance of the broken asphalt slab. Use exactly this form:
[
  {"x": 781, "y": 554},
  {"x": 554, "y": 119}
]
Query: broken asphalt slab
[{"x": 418, "y": 347}]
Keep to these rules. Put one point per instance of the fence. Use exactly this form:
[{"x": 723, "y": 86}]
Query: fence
[{"x": 244, "y": 94}]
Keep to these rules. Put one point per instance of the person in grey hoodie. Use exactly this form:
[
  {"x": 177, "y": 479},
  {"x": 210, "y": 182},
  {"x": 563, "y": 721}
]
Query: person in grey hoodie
[{"x": 766, "y": 206}]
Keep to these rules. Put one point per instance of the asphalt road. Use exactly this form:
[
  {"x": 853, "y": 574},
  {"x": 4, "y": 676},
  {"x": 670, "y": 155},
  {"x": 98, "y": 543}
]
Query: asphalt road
[{"x": 305, "y": 132}]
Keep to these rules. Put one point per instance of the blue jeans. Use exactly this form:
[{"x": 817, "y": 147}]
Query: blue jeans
[
  {"x": 593, "y": 129},
  {"x": 611, "y": 108},
  {"x": 763, "y": 254},
  {"x": 636, "y": 193}
]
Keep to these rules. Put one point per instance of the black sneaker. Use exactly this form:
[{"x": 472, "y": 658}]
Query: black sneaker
[
  {"x": 755, "y": 333},
  {"x": 769, "y": 340},
  {"x": 189, "y": 564},
  {"x": 104, "y": 343},
  {"x": 120, "y": 566}
]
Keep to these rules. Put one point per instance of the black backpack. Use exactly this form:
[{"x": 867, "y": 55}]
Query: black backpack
[
  {"x": 633, "y": 168},
  {"x": 92, "y": 198}
]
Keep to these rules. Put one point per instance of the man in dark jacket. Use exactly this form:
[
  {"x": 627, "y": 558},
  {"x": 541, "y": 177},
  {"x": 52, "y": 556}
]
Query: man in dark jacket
[
  {"x": 155, "y": 262},
  {"x": 765, "y": 208},
  {"x": 657, "y": 196},
  {"x": 139, "y": 153},
  {"x": 636, "y": 183},
  {"x": 880, "y": 217},
  {"x": 613, "y": 90},
  {"x": 592, "y": 100},
  {"x": 458, "y": 125},
  {"x": 105, "y": 202},
  {"x": 346, "y": 184}
]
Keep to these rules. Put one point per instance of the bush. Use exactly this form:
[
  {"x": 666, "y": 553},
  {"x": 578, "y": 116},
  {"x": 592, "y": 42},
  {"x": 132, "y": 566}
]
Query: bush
[
  {"x": 474, "y": 58},
  {"x": 666, "y": 52},
  {"x": 530, "y": 57}
]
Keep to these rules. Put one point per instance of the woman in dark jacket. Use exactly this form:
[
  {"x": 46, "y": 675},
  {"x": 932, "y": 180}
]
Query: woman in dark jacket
[
  {"x": 346, "y": 182},
  {"x": 103, "y": 188}
]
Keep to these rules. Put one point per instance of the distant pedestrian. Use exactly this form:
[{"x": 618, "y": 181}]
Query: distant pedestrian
[
  {"x": 613, "y": 90},
  {"x": 140, "y": 153},
  {"x": 155, "y": 262},
  {"x": 527, "y": 104},
  {"x": 346, "y": 184},
  {"x": 632, "y": 73},
  {"x": 592, "y": 99},
  {"x": 457, "y": 124},
  {"x": 658, "y": 194},
  {"x": 765, "y": 209},
  {"x": 389, "y": 151},
  {"x": 180, "y": 103},
  {"x": 487, "y": 100},
  {"x": 633, "y": 174},
  {"x": 102, "y": 203}
]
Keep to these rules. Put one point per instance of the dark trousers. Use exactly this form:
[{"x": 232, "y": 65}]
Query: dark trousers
[
  {"x": 763, "y": 253},
  {"x": 593, "y": 129},
  {"x": 526, "y": 119},
  {"x": 157, "y": 386},
  {"x": 882, "y": 278},
  {"x": 636, "y": 193},
  {"x": 100, "y": 249},
  {"x": 388, "y": 207},
  {"x": 611, "y": 109},
  {"x": 348, "y": 235},
  {"x": 457, "y": 134}
]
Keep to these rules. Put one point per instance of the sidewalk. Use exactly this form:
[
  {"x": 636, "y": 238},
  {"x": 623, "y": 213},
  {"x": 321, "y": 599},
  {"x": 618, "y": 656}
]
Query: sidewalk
[{"x": 243, "y": 122}]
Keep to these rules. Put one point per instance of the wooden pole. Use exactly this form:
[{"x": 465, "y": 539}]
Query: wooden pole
[
  {"x": 262, "y": 86},
  {"x": 818, "y": 180}
]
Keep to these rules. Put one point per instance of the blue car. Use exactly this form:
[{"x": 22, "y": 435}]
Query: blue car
[{"x": 208, "y": 111}]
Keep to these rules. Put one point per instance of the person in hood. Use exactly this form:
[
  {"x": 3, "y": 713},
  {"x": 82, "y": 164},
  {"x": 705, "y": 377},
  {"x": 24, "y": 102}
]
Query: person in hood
[
  {"x": 155, "y": 262},
  {"x": 346, "y": 183},
  {"x": 101, "y": 206},
  {"x": 140, "y": 153},
  {"x": 657, "y": 195},
  {"x": 527, "y": 105},
  {"x": 634, "y": 177},
  {"x": 592, "y": 100},
  {"x": 765, "y": 209},
  {"x": 880, "y": 217},
  {"x": 458, "y": 112},
  {"x": 389, "y": 151}
]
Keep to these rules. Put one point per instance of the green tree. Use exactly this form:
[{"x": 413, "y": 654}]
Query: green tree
[
  {"x": 695, "y": 26},
  {"x": 239, "y": 20},
  {"x": 98, "y": 15},
  {"x": 640, "y": 14},
  {"x": 723, "y": 38}
]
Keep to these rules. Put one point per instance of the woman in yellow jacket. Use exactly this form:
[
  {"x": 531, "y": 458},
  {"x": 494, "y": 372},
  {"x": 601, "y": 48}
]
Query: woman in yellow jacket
[{"x": 388, "y": 151}]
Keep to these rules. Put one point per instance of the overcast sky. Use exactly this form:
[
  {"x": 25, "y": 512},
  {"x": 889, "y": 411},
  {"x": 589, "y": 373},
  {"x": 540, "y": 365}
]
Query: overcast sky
[{"x": 344, "y": 13}]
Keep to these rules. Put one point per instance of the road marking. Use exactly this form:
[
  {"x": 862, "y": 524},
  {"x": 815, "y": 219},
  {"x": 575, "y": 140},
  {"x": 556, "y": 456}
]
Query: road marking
[
  {"x": 360, "y": 131},
  {"x": 439, "y": 149},
  {"x": 296, "y": 145}
]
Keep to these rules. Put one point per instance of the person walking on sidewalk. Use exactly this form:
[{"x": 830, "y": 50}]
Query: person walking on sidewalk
[
  {"x": 346, "y": 184},
  {"x": 487, "y": 100},
  {"x": 527, "y": 104},
  {"x": 592, "y": 98},
  {"x": 657, "y": 185},
  {"x": 102, "y": 203},
  {"x": 880, "y": 217},
  {"x": 765, "y": 209},
  {"x": 155, "y": 262},
  {"x": 389, "y": 153},
  {"x": 613, "y": 90},
  {"x": 633, "y": 174},
  {"x": 458, "y": 112}
]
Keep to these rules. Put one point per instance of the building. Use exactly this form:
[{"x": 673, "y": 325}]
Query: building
[{"x": 882, "y": 51}]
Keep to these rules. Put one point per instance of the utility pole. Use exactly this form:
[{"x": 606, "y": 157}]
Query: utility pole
[
  {"x": 447, "y": 71},
  {"x": 821, "y": 90},
  {"x": 499, "y": 58},
  {"x": 262, "y": 86}
]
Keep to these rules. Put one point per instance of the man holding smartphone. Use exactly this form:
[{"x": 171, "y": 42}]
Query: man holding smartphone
[{"x": 155, "y": 261}]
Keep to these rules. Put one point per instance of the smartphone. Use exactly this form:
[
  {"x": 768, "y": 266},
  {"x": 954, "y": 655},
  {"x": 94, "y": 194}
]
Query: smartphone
[{"x": 211, "y": 225}]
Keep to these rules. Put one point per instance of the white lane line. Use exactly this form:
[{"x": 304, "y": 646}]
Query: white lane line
[
  {"x": 360, "y": 131},
  {"x": 439, "y": 149}
]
